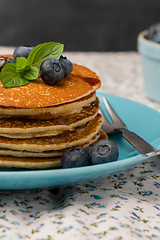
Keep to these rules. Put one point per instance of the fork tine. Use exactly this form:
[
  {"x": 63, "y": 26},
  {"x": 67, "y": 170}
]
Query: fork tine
[{"x": 113, "y": 115}]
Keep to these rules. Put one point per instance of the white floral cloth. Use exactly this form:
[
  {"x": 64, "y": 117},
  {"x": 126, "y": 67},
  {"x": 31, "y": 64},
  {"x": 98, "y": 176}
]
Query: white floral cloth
[{"x": 123, "y": 206}]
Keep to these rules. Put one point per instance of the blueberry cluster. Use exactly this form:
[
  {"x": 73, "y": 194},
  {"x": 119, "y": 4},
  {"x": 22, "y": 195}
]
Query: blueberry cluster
[
  {"x": 103, "y": 151},
  {"x": 52, "y": 71},
  {"x": 154, "y": 33}
]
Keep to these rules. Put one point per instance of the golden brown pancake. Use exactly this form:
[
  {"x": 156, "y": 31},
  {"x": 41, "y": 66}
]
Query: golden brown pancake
[
  {"x": 80, "y": 135},
  {"x": 52, "y": 153},
  {"x": 29, "y": 128},
  {"x": 82, "y": 82},
  {"x": 47, "y": 113},
  {"x": 35, "y": 163}
]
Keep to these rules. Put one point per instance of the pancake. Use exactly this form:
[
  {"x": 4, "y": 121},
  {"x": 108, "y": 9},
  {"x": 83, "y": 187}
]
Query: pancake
[
  {"x": 52, "y": 153},
  {"x": 47, "y": 113},
  {"x": 37, "y": 94},
  {"x": 35, "y": 163},
  {"x": 27, "y": 128},
  {"x": 68, "y": 139}
]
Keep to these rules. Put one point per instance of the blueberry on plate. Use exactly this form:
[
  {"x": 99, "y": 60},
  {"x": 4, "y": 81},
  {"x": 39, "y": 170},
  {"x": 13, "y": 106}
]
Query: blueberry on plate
[
  {"x": 22, "y": 51},
  {"x": 104, "y": 151},
  {"x": 75, "y": 157},
  {"x": 52, "y": 71},
  {"x": 67, "y": 65},
  {"x": 154, "y": 33}
]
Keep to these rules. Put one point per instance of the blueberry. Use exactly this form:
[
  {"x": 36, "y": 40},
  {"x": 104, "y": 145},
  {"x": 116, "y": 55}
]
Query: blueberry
[
  {"x": 154, "y": 33},
  {"x": 22, "y": 51},
  {"x": 104, "y": 151},
  {"x": 52, "y": 71},
  {"x": 67, "y": 65},
  {"x": 10, "y": 60},
  {"x": 4, "y": 60},
  {"x": 75, "y": 157}
]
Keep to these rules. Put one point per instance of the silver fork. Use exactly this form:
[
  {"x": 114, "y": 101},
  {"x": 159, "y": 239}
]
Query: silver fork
[{"x": 118, "y": 125}]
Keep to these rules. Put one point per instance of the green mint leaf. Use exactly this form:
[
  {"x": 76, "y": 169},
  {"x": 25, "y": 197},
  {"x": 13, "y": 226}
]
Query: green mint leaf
[
  {"x": 21, "y": 63},
  {"x": 31, "y": 74},
  {"x": 10, "y": 77},
  {"x": 43, "y": 51}
]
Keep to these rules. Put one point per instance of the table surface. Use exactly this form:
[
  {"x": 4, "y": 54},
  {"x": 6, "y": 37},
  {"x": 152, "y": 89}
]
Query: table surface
[{"x": 122, "y": 206}]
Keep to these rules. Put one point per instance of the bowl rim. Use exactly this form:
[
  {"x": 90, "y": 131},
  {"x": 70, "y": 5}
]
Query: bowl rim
[{"x": 141, "y": 37}]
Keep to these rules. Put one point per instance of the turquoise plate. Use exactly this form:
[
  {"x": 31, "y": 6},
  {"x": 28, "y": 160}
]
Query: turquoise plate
[{"x": 139, "y": 118}]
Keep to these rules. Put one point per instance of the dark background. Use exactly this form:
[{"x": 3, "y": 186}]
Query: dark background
[{"x": 82, "y": 25}]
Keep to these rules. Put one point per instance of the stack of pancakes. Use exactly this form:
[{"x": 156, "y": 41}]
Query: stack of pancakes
[{"x": 39, "y": 122}]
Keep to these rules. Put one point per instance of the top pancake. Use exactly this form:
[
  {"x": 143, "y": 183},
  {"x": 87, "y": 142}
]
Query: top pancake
[{"x": 80, "y": 83}]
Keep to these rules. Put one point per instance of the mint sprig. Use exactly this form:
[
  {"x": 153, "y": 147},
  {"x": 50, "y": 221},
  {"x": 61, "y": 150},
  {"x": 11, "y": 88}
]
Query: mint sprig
[{"x": 27, "y": 69}]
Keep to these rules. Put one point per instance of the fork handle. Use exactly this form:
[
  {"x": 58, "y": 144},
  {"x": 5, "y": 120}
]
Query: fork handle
[{"x": 136, "y": 141}]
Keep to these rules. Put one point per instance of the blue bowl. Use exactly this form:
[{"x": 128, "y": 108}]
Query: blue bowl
[{"x": 150, "y": 52}]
